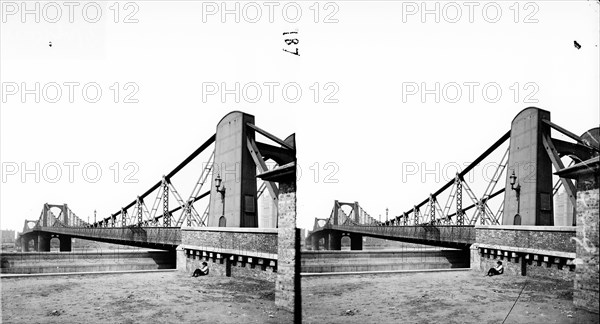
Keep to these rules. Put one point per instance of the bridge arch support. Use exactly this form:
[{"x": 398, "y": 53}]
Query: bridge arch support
[
  {"x": 356, "y": 241},
  {"x": 314, "y": 241},
  {"x": 332, "y": 240},
  {"x": 41, "y": 242},
  {"x": 26, "y": 243},
  {"x": 335, "y": 240}
]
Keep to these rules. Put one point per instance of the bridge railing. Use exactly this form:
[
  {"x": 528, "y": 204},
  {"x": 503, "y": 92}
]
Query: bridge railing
[
  {"x": 153, "y": 235},
  {"x": 439, "y": 233}
]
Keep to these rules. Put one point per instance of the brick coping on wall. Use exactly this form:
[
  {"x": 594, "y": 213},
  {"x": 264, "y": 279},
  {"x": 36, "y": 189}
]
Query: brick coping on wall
[
  {"x": 232, "y": 229},
  {"x": 528, "y": 228},
  {"x": 367, "y": 252},
  {"x": 238, "y": 252},
  {"x": 568, "y": 255}
]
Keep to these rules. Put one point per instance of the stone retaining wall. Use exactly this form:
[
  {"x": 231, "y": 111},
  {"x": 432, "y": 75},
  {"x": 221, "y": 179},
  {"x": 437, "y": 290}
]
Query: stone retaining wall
[
  {"x": 245, "y": 252},
  {"x": 59, "y": 262},
  {"x": 541, "y": 251}
]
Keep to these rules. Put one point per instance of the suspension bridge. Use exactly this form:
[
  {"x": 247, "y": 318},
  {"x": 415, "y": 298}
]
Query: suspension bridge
[
  {"x": 154, "y": 218},
  {"x": 521, "y": 186},
  {"x": 512, "y": 217},
  {"x": 226, "y": 229}
]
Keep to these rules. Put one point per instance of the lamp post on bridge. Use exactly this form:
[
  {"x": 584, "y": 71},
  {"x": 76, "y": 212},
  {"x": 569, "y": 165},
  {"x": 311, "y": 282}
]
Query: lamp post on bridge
[
  {"x": 517, "y": 189},
  {"x": 222, "y": 219}
]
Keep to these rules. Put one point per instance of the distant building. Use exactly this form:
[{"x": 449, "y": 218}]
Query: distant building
[
  {"x": 563, "y": 209},
  {"x": 8, "y": 236}
]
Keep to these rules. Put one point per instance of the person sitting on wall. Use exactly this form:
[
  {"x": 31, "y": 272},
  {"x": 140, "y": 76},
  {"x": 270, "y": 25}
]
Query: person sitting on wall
[
  {"x": 203, "y": 271},
  {"x": 497, "y": 270}
]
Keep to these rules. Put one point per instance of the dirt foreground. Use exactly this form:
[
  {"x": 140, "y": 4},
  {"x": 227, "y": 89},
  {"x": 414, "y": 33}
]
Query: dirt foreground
[
  {"x": 159, "y": 297},
  {"x": 439, "y": 297},
  {"x": 171, "y": 297}
]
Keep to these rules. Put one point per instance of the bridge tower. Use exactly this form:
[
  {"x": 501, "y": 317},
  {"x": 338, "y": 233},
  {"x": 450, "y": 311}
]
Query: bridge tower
[
  {"x": 45, "y": 211},
  {"x": 529, "y": 200},
  {"x": 336, "y": 206},
  {"x": 233, "y": 164},
  {"x": 532, "y": 154}
]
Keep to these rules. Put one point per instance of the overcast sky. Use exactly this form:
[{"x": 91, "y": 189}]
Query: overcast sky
[{"x": 361, "y": 119}]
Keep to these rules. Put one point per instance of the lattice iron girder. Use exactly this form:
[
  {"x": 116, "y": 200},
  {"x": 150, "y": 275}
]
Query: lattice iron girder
[
  {"x": 165, "y": 199},
  {"x": 460, "y": 214},
  {"x": 481, "y": 213},
  {"x": 140, "y": 211},
  {"x": 431, "y": 208},
  {"x": 188, "y": 213},
  {"x": 123, "y": 217},
  {"x": 416, "y": 215}
]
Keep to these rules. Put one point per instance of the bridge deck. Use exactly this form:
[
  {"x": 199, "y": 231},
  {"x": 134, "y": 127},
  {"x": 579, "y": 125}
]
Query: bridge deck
[
  {"x": 166, "y": 238},
  {"x": 453, "y": 236}
]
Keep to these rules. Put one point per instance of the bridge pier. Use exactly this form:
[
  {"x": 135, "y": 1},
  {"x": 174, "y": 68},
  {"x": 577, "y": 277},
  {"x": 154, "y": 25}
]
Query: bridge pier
[
  {"x": 356, "y": 242},
  {"x": 335, "y": 241},
  {"x": 24, "y": 244},
  {"x": 43, "y": 243},
  {"x": 315, "y": 242},
  {"x": 65, "y": 243},
  {"x": 326, "y": 242},
  {"x": 35, "y": 243}
]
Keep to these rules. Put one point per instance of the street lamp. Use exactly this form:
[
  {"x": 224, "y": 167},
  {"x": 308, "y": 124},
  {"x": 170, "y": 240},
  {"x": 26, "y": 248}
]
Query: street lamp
[
  {"x": 513, "y": 180},
  {"x": 517, "y": 189},
  {"x": 218, "y": 181}
]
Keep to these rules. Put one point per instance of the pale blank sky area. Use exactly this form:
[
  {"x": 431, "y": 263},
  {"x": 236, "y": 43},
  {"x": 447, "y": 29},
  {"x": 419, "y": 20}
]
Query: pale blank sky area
[{"x": 375, "y": 65}]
